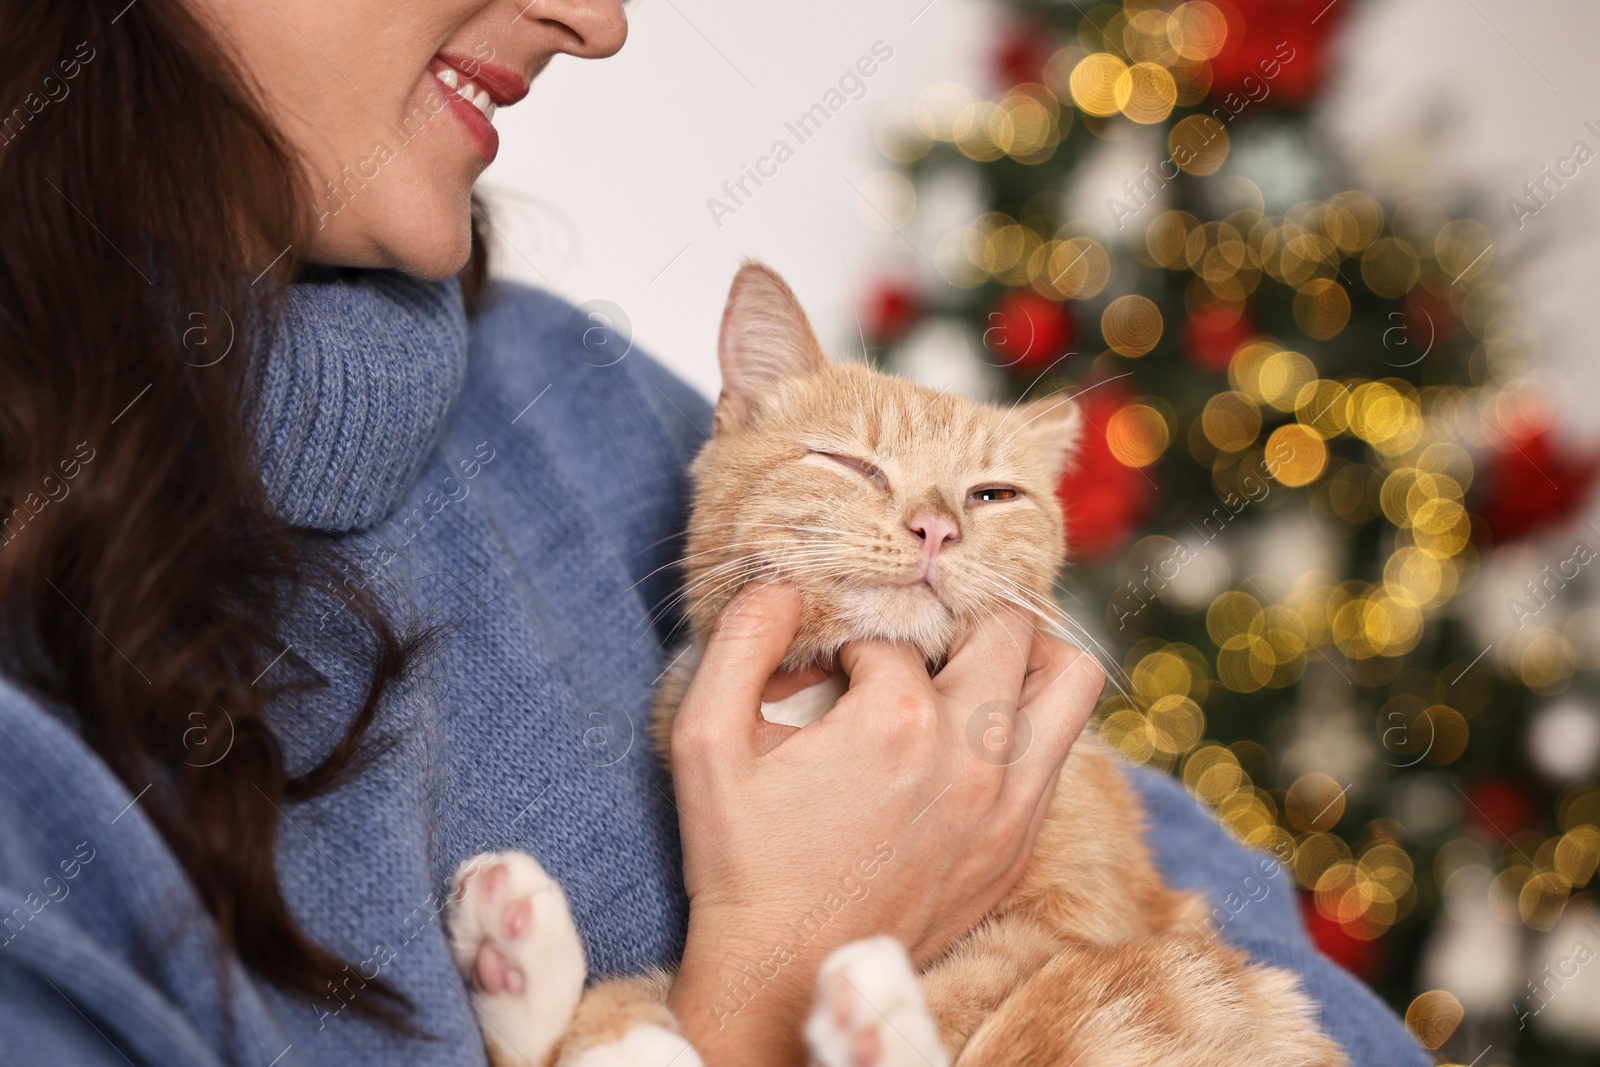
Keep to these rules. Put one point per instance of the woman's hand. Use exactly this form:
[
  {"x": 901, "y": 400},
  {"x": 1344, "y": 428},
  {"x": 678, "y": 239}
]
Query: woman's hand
[{"x": 907, "y": 810}]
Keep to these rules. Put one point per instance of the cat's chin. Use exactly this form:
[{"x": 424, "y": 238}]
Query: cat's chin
[{"x": 911, "y": 615}]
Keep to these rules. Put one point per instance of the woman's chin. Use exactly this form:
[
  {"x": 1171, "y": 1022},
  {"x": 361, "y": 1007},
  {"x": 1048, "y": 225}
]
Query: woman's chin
[{"x": 431, "y": 245}]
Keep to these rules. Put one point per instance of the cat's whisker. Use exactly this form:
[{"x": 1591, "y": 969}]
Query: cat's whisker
[
  {"x": 861, "y": 407},
  {"x": 814, "y": 558},
  {"x": 797, "y": 569},
  {"x": 788, "y": 526},
  {"x": 705, "y": 552},
  {"x": 1072, "y": 398},
  {"x": 1072, "y": 630},
  {"x": 1040, "y": 378}
]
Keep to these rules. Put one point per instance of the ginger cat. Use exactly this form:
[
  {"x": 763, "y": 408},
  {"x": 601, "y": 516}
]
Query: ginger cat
[{"x": 902, "y": 514}]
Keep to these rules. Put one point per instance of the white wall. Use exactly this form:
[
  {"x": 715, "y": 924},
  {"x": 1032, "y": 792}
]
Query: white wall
[
  {"x": 1465, "y": 103},
  {"x": 600, "y": 188},
  {"x": 605, "y": 169}
]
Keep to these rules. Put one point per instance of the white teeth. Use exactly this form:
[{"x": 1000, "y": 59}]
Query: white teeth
[{"x": 469, "y": 92}]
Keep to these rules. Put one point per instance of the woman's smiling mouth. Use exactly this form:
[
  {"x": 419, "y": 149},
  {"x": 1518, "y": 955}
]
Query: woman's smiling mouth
[{"x": 474, "y": 90}]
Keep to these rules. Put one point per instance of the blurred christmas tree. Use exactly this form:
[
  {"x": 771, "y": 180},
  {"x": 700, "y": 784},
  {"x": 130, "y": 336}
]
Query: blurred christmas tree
[{"x": 1312, "y": 422}]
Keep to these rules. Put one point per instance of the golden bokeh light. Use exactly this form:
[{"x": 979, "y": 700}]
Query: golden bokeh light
[
  {"x": 1231, "y": 421},
  {"x": 1464, "y": 249},
  {"x": 1176, "y": 724},
  {"x": 1131, "y": 325},
  {"x": 1353, "y": 221},
  {"x": 1281, "y": 376},
  {"x": 983, "y": 131},
  {"x": 1077, "y": 268},
  {"x": 1542, "y": 899},
  {"x": 1315, "y": 802},
  {"x": 1035, "y": 123},
  {"x": 1296, "y": 455},
  {"x": 1198, "y": 145},
  {"x": 1384, "y": 417},
  {"x": 1137, "y": 435},
  {"x": 1322, "y": 405},
  {"x": 1577, "y": 853},
  {"x": 1145, "y": 92},
  {"x": 1094, "y": 83},
  {"x": 1198, "y": 30},
  {"x": 1318, "y": 853},
  {"x": 1230, "y": 614},
  {"x": 1390, "y": 267},
  {"x": 1244, "y": 368},
  {"x": 1322, "y": 308},
  {"x": 1166, "y": 237},
  {"x": 1146, "y": 36},
  {"x": 1433, "y": 1017}
]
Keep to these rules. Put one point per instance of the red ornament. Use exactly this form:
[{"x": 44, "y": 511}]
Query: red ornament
[
  {"x": 1021, "y": 54},
  {"x": 1498, "y": 810},
  {"x": 1212, "y": 335},
  {"x": 1533, "y": 486},
  {"x": 1105, "y": 501},
  {"x": 1357, "y": 955},
  {"x": 889, "y": 310},
  {"x": 1428, "y": 317},
  {"x": 1027, "y": 332},
  {"x": 1280, "y": 46}
]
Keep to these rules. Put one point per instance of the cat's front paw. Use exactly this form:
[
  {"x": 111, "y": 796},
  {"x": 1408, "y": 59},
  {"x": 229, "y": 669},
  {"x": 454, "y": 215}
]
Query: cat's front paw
[
  {"x": 870, "y": 1012},
  {"x": 645, "y": 1045},
  {"x": 514, "y": 942}
]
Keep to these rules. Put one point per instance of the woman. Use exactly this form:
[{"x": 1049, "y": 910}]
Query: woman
[{"x": 328, "y": 564}]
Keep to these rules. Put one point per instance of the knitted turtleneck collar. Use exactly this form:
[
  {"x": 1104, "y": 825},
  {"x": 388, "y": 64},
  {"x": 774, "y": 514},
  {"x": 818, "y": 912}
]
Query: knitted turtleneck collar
[{"x": 363, "y": 373}]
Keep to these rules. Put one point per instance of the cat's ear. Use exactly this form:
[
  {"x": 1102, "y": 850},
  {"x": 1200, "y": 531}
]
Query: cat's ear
[
  {"x": 1053, "y": 425},
  {"x": 765, "y": 338}
]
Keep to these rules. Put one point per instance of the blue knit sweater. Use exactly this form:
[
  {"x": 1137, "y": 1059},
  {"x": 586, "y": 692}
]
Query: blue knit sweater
[{"x": 485, "y": 476}]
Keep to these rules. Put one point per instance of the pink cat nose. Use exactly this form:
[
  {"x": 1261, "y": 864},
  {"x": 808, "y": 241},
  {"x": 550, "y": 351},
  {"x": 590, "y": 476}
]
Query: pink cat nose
[{"x": 934, "y": 531}]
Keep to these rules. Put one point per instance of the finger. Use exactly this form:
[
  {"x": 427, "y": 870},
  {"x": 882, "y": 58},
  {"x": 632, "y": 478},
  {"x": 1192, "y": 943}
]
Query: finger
[
  {"x": 788, "y": 683},
  {"x": 1058, "y": 700},
  {"x": 746, "y": 645},
  {"x": 1048, "y": 656},
  {"x": 989, "y": 663},
  {"x": 879, "y": 668},
  {"x": 1047, "y": 799}
]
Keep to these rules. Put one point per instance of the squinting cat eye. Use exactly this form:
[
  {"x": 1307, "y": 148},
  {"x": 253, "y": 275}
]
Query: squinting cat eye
[
  {"x": 860, "y": 465},
  {"x": 991, "y": 493}
]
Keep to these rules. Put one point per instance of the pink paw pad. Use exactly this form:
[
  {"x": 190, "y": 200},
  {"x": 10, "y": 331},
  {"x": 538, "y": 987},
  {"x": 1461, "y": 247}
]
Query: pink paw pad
[
  {"x": 866, "y": 1049},
  {"x": 493, "y": 973},
  {"x": 517, "y": 917}
]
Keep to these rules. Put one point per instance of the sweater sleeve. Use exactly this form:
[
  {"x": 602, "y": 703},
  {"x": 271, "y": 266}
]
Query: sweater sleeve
[
  {"x": 39, "y": 1026},
  {"x": 1256, "y": 910},
  {"x": 684, "y": 414}
]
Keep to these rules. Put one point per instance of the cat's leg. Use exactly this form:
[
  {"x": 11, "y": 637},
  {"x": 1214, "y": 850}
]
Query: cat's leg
[
  {"x": 869, "y": 1010},
  {"x": 624, "y": 1022},
  {"x": 514, "y": 941},
  {"x": 969, "y": 982},
  {"x": 1179, "y": 998}
]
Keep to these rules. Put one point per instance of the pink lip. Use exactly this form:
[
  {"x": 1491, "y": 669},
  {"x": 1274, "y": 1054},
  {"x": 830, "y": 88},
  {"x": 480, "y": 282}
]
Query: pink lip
[
  {"x": 504, "y": 85},
  {"x": 479, "y": 128}
]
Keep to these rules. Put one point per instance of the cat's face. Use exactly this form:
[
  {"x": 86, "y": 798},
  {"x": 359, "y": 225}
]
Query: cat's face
[{"x": 901, "y": 513}]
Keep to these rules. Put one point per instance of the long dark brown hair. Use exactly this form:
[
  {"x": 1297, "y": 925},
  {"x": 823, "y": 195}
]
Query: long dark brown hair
[{"x": 144, "y": 576}]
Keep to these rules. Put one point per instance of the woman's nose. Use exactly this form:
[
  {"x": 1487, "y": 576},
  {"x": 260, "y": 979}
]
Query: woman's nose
[{"x": 594, "y": 28}]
